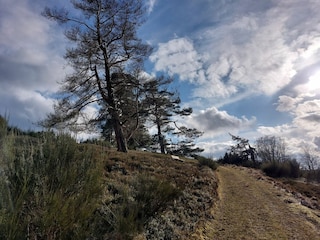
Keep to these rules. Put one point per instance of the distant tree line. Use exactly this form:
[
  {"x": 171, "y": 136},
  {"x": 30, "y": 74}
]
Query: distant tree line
[{"x": 270, "y": 155}]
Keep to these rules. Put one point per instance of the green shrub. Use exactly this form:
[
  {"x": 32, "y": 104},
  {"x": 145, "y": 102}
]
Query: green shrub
[
  {"x": 203, "y": 161},
  {"x": 126, "y": 214},
  {"x": 153, "y": 194},
  {"x": 49, "y": 189}
]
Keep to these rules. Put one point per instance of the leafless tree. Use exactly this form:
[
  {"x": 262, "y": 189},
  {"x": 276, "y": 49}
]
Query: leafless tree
[
  {"x": 271, "y": 148},
  {"x": 310, "y": 158}
]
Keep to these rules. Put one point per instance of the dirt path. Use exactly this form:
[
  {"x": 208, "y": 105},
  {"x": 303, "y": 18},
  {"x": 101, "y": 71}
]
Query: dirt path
[{"x": 252, "y": 207}]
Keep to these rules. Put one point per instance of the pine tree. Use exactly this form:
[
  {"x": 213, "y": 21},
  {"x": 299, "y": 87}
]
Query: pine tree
[
  {"x": 163, "y": 106},
  {"x": 104, "y": 43}
]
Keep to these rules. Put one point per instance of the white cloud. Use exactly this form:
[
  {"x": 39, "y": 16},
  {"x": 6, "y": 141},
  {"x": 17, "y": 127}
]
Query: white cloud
[
  {"x": 280, "y": 130},
  {"x": 305, "y": 112},
  {"x": 214, "y": 122},
  {"x": 287, "y": 103},
  {"x": 307, "y": 117},
  {"x": 30, "y": 62},
  {"x": 178, "y": 56},
  {"x": 255, "y": 59},
  {"x": 24, "y": 107},
  {"x": 252, "y": 53},
  {"x": 213, "y": 148},
  {"x": 303, "y": 129},
  {"x": 23, "y": 28}
]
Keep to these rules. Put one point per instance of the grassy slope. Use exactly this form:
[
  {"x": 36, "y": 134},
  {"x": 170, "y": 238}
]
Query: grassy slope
[
  {"x": 252, "y": 206},
  {"x": 194, "y": 188}
]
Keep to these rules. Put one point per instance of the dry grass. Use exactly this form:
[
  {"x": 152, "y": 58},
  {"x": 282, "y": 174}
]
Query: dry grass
[
  {"x": 309, "y": 190},
  {"x": 159, "y": 165},
  {"x": 166, "y": 187}
]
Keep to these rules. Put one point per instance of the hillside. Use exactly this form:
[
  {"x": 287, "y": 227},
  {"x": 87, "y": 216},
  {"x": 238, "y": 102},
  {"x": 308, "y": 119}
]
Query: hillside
[
  {"x": 194, "y": 188},
  {"x": 52, "y": 187},
  {"x": 229, "y": 203},
  {"x": 55, "y": 188}
]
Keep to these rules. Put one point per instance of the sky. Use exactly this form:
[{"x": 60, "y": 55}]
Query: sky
[{"x": 250, "y": 68}]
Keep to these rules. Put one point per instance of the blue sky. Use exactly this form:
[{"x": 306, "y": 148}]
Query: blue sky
[{"x": 251, "y": 68}]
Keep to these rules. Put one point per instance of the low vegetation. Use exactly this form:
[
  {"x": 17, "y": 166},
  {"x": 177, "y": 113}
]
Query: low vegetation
[
  {"x": 52, "y": 187},
  {"x": 311, "y": 175},
  {"x": 288, "y": 169},
  {"x": 204, "y": 161},
  {"x": 55, "y": 188}
]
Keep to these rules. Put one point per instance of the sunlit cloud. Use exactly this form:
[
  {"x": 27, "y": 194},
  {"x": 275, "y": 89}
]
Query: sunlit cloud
[
  {"x": 179, "y": 57},
  {"x": 305, "y": 111},
  {"x": 248, "y": 56},
  {"x": 214, "y": 122},
  {"x": 287, "y": 103}
]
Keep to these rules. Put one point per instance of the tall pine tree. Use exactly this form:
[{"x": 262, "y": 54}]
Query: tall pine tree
[{"x": 104, "y": 42}]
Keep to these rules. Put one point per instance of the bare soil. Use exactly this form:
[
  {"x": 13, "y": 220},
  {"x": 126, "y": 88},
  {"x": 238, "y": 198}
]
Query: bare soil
[{"x": 253, "y": 206}]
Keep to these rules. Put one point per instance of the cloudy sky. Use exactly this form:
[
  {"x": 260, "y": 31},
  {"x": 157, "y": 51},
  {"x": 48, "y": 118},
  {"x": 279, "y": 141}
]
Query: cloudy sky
[{"x": 251, "y": 68}]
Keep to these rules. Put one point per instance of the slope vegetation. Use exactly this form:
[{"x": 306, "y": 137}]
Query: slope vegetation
[{"x": 152, "y": 196}]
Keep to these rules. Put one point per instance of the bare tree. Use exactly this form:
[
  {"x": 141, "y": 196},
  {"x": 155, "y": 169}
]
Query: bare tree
[
  {"x": 271, "y": 148},
  {"x": 104, "y": 46},
  {"x": 310, "y": 158}
]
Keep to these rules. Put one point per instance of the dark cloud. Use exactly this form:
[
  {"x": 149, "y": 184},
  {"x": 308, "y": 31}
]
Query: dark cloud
[{"x": 312, "y": 118}]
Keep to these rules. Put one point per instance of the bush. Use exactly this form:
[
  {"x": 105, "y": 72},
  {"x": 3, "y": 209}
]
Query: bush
[
  {"x": 153, "y": 194},
  {"x": 203, "y": 161},
  {"x": 312, "y": 175},
  {"x": 131, "y": 208},
  {"x": 288, "y": 168},
  {"x": 236, "y": 159},
  {"x": 49, "y": 188}
]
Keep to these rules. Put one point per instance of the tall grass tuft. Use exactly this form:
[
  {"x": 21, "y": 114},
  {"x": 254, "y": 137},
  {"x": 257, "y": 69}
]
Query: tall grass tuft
[{"x": 49, "y": 187}]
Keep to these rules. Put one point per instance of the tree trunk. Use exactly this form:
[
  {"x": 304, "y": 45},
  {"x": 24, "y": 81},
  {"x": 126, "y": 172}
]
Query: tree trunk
[
  {"x": 161, "y": 140},
  {"x": 120, "y": 139}
]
